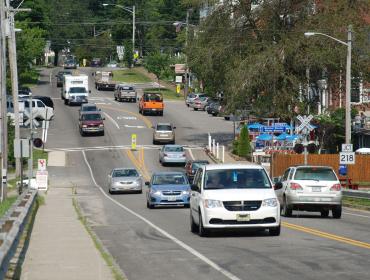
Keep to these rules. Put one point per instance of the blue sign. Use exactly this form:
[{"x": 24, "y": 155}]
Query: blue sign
[{"x": 343, "y": 170}]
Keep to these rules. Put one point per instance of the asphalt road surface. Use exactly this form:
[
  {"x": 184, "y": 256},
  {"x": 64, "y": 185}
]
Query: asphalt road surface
[{"x": 158, "y": 244}]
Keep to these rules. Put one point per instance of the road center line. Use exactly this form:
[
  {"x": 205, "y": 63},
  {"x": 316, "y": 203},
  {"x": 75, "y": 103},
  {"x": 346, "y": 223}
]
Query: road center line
[
  {"x": 112, "y": 120},
  {"x": 194, "y": 252}
]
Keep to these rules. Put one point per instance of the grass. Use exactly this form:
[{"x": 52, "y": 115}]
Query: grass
[
  {"x": 117, "y": 274},
  {"x": 6, "y": 204},
  {"x": 130, "y": 76},
  {"x": 167, "y": 93},
  {"x": 39, "y": 154},
  {"x": 30, "y": 77},
  {"x": 359, "y": 203}
]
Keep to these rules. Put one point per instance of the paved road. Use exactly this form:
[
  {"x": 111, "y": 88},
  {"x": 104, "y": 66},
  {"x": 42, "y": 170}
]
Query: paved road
[{"x": 157, "y": 244}]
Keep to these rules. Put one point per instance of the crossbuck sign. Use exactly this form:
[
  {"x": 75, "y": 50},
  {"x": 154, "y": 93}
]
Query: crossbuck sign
[
  {"x": 28, "y": 121},
  {"x": 305, "y": 125}
]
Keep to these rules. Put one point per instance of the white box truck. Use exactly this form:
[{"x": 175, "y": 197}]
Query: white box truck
[{"x": 75, "y": 89}]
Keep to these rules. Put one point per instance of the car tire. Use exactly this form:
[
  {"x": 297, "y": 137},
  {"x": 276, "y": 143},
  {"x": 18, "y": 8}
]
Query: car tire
[
  {"x": 141, "y": 191},
  {"x": 148, "y": 205},
  {"x": 203, "y": 232},
  {"x": 275, "y": 231},
  {"x": 193, "y": 225},
  {"x": 195, "y": 109},
  {"x": 102, "y": 134},
  {"x": 337, "y": 211},
  {"x": 82, "y": 133},
  {"x": 154, "y": 142},
  {"x": 65, "y": 102},
  {"x": 324, "y": 213},
  {"x": 110, "y": 192},
  {"x": 287, "y": 210}
]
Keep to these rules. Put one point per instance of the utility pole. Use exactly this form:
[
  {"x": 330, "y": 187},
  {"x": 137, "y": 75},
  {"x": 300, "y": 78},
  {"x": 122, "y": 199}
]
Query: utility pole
[
  {"x": 348, "y": 85},
  {"x": 30, "y": 160},
  {"x": 3, "y": 107},
  {"x": 133, "y": 28},
  {"x": 186, "y": 87}
]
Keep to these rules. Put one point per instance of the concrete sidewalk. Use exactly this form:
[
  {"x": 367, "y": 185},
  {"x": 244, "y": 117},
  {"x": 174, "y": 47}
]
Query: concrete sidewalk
[{"x": 60, "y": 247}]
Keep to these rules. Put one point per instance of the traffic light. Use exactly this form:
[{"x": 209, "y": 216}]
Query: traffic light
[
  {"x": 311, "y": 148},
  {"x": 298, "y": 148},
  {"x": 37, "y": 142}
]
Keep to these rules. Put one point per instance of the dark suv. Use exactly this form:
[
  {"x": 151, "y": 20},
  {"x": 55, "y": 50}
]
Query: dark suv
[{"x": 91, "y": 123}]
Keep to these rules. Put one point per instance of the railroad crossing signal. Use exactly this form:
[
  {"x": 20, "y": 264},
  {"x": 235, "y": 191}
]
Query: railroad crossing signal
[
  {"x": 305, "y": 125},
  {"x": 28, "y": 121}
]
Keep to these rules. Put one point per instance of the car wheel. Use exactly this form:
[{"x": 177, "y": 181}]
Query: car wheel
[
  {"x": 102, "y": 134},
  {"x": 287, "y": 210},
  {"x": 141, "y": 191},
  {"x": 195, "y": 109},
  {"x": 148, "y": 205},
  {"x": 193, "y": 225},
  {"x": 82, "y": 133},
  {"x": 275, "y": 231},
  {"x": 110, "y": 192},
  {"x": 337, "y": 211},
  {"x": 65, "y": 101},
  {"x": 203, "y": 232},
  {"x": 324, "y": 213},
  {"x": 154, "y": 142}
]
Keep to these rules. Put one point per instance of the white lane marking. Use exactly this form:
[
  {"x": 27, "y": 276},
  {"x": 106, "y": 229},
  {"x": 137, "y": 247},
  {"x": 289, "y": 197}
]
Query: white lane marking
[
  {"x": 102, "y": 103},
  {"x": 357, "y": 215},
  {"x": 192, "y": 251},
  {"x": 134, "y": 126},
  {"x": 50, "y": 78},
  {"x": 191, "y": 154},
  {"x": 112, "y": 120},
  {"x": 126, "y": 118},
  {"x": 98, "y": 148}
]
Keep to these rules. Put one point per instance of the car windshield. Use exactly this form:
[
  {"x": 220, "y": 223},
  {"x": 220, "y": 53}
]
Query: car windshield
[
  {"x": 164, "y": 127},
  {"x": 127, "y": 88},
  {"x": 169, "y": 179},
  {"x": 196, "y": 165},
  {"x": 125, "y": 173},
  {"x": 77, "y": 90},
  {"x": 89, "y": 108},
  {"x": 191, "y": 96},
  {"x": 153, "y": 97},
  {"x": 91, "y": 117},
  {"x": 237, "y": 179},
  {"x": 174, "y": 149},
  {"x": 313, "y": 173}
]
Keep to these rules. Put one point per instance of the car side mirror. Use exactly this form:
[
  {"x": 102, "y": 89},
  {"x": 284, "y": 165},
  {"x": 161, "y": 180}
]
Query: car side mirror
[
  {"x": 103, "y": 118},
  {"x": 137, "y": 98},
  {"x": 194, "y": 188},
  {"x": 174, "y": 127},
  {"x": 278, "y": 186},
  {"x": 89, "y": 91},
  {"x": 147, "y": 183},
  {"x": 65, "y": 91}
]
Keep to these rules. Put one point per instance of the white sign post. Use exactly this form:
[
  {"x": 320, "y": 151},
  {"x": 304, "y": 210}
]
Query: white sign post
[
  {"x": 42, "y": 180},
  {"x": 305, "y": 127},
  {"x": 41, "y": 165},
  {"x": 347, "y": 148},
  {"x": 347, "y": 158}
]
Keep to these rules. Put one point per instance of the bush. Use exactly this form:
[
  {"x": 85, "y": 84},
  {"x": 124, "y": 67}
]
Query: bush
[{"x": 244, "y": 146}]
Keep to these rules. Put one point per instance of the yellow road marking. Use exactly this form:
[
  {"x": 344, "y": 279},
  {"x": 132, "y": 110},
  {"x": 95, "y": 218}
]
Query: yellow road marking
[
  {"x": 327, "y": 235},
  {"x": 138, "y": 165},
  {"x": 143, "y": 161},
  {"x": 147, "y": 122}
]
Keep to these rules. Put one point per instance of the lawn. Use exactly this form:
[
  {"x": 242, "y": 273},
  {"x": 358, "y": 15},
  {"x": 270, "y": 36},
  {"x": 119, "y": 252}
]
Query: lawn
[
  {"x": 130, "y": 76},
  {"x": 167, "y": 93},
  {"x": 39, "y": 154},
  {"x": 360, "y": 203},
  {"x": 6, "y": 204}
]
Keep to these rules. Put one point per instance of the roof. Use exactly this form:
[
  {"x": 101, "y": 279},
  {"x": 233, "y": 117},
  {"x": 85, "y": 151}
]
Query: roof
[
  {"x": 90, "y": 112},
  {"x": 315, "y": 166},
  {"x": 168, "y": 173},
  {"x": 172, "y": 145},
  {"x": 125, "y": 168},
  {"x": 164, "y": 123},
  {"x": 88, "y": 105},
  {"x": 233, "y": 166}
]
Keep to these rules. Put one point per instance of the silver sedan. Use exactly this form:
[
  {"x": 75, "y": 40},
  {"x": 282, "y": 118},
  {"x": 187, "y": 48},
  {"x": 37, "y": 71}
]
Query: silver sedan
[
  {"x": 125, "y": 180},
  {"x": 172, "y": 154}
]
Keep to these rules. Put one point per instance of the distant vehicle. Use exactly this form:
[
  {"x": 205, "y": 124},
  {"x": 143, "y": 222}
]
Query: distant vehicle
[
  {"x": 310, "y": 188},
  {"x": 70, "y": 64},
  {"x": 60, "y": 76},
  {"x": 123, "y": 180},
  {"x": 91, "y": 123},
  {"x": 209, "y": 102},
  {"x": 75, "y": 89},
  {"x": 88, "y": 107},
  {"x": 46, "y": 99},
  {"x": 124, "y": 92},
  {"x": 172, "y": 154},
  {"x": 96, "y": 62},
  {"x": 214, "y": 109},
  {"x": 151, "y": 103},
  {"x": 164, "y": 133},
  {"x": 112, "y": 64},
  {"x": 168, "y": 189},
  {"x": 230, "y": 196},
  {"x": 24, "y": 91},
  {"x": 103, "y": 80},
  {"x": 191, "y": 98},
  {"x": 192, "y": 166},
  {"x": 200, "y": 103},
  {"x": 39, "y": 110}
]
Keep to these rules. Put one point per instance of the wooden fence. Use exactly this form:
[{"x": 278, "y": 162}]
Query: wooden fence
[{"x": 359, "y": 172}]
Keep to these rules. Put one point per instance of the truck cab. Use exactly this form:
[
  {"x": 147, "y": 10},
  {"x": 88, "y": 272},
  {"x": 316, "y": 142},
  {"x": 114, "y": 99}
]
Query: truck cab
[
  {"x": 75, "y": 89},
  {"x": 103, "y": 80},
  {"x": 151, "y": 102}
]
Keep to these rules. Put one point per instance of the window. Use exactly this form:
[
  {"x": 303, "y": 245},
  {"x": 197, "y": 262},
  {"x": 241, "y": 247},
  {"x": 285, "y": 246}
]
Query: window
[
  {"x": 169, "y": 179},
  {"x": 291, "y": 174},
  {"x": 198, "y": 179},
  {"x": 164, "y": 127},
  {"x": 237, "y": 179},
  {"x": 285, "y": 176},
  {"x": 40, "y": 104},
  {"x": 91, "y": 117},
  {"x": 315, "y": 173},
  {"x": 125, "y": 173},
  {"x": 174, "y": 149},
  {"x": 77, "y": 90}
]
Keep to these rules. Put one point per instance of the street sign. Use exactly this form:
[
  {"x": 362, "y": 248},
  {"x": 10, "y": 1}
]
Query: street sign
[
  {"x": 133, "y": 141},
  {"x": 21, "y": 146},
  {"x": 41, "y": 165},
  {"x": 178, "y": 79},
  {"x": 42, "y": 180},
  {"x": 347, "y": 148},
  {"x": 347, "y": 158},
  {"x": 178, "y": 88},
  {"x": 305, "y": 123},
  {"x": 28, "y": 121}
]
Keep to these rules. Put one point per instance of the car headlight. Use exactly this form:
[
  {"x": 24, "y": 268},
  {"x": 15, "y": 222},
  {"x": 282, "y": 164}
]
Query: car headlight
[
  {"x": 185, "y": 192},
  {"x": 84, "y": 126},
  {"x": 270, "y": 202},
  {"x": 101, "y": 125},
  {"x": 211, "y": 203},
  {"x": 155, "y": 192}
]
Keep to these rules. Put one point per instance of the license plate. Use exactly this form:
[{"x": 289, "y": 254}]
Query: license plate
[
  {"x": 162, "y": 135},
  {"x": 316, "y": 189},
  {"x": 154, "y": 109},
  {"x": 243, "y": 217},
  {"x": 171, "y": 198}
]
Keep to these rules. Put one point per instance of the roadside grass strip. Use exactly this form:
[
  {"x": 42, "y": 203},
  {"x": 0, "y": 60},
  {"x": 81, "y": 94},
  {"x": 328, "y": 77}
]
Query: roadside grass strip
[
  {"x": 130, "y": 76},
  {"x": 327, "y": 235}
]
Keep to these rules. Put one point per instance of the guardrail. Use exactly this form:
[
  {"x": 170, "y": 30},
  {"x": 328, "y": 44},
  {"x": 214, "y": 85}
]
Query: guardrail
[
  {"x": 356, "y": 194},
  {"x": 11, "y": 228}
]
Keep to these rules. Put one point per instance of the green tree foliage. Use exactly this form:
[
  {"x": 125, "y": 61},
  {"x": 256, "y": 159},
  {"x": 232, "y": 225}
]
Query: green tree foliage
[
  {"x": 129, "y": 54},
  {"x": 11, "y": 135},
  {"x": 158, "y": 64},
  {"x": 244, "y": 146}
]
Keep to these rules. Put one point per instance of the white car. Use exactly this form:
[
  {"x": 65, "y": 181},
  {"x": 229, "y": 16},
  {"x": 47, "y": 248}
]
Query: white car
[{"x": 229, "y": 196}]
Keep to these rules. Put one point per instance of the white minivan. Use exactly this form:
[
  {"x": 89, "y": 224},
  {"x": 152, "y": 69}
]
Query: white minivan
[{"x": 229, "y": 196}]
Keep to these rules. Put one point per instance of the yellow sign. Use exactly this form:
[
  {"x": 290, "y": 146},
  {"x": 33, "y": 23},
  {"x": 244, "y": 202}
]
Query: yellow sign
[
  {"x": 84, "y": 62},
  {"x": 178, "y": 89},
  {"x": 133, "y": 141}
]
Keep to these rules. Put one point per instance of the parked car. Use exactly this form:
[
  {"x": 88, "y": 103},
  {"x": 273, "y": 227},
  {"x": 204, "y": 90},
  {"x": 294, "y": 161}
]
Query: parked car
[
  {"x": 112, "y": 64},
  {"x": 208, "y": 103},
  {"x": 123, "y": 180},
  {"x": 96, "y": 62},
  {"x": 168, "y": 189},
  {"x": 229, "y": 196},
  {"x": 191, "y": 97},
  {"x": 310, "y": 188},
  {"x": 192, "y": 166},
  {"x": 91, "y": 123},
  {"x": 39, "y": 110},
  {"x": 24, "y": 92},
  {"x": 172, "y": 154},
  {"x": 46, "y": 99},
  {"x": 200, "y": 103},
  {"x": 214, "y": 108},
  {"x": 60, "y": 76},
  {"x": 88, "y": 107},
  {"x": 164, "y": 133}
]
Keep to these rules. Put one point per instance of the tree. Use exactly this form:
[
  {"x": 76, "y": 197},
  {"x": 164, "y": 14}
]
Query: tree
[
  {"x": 129, "y": 54},
  {"x": 244, "y": 146},
  {"x": 158, "y": 64}
]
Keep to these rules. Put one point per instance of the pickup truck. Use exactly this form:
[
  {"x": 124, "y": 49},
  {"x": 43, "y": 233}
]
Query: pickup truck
[
  {"x": 125, "y": 93},
  {"x": 103, "y": 80},
  {"x": 151, "y": 103}
]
